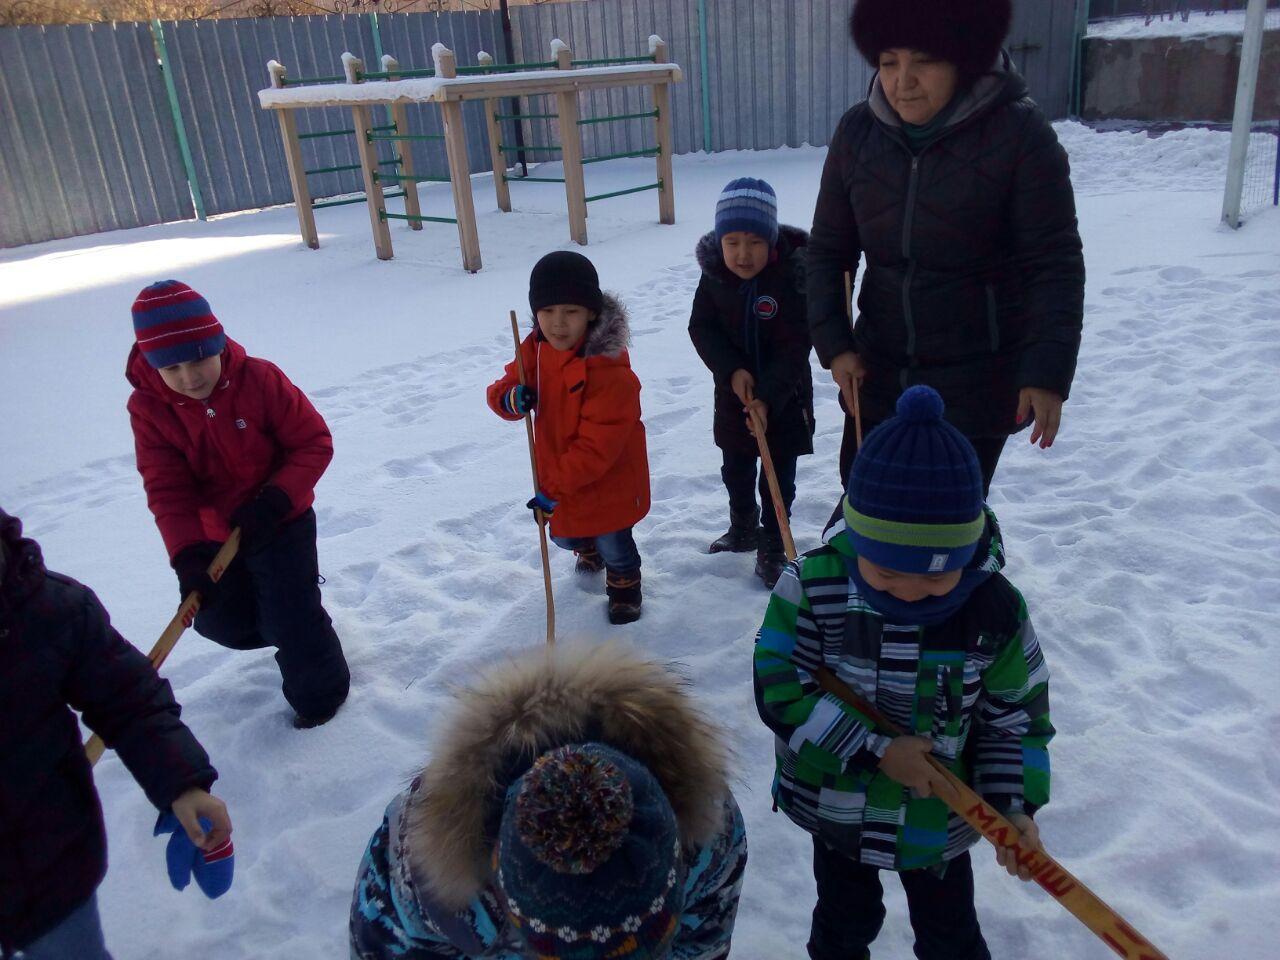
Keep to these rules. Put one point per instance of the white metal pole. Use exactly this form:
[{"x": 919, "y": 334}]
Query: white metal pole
[{"x": 1242, "y": 122}]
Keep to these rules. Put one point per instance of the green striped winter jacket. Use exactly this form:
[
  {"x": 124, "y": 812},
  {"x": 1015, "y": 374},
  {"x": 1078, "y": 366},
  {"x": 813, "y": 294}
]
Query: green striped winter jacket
[{"x": 976, "y": 683}]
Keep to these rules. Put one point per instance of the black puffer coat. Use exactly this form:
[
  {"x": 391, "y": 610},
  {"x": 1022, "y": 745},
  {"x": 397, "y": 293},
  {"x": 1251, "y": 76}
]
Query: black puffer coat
[
  {"x": 58, "y": 650},
  {"x": 757, "y": 325},
  {"x": 975, "y": 275}
]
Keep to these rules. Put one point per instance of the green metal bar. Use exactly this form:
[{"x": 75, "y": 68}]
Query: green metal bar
[
  {"x": 705, "y": 73},
  {"x": 376, "y": 30},
  {"x": 393, "y": 162},
  {"x": 414, "y": 218},
  {"x": 325, "y": 133},
  {"x": 533, "y": 179},
  {"x": 393, "y": 74},
  {"x": 180, "y": 127},
  {"x": 403, "y": 136},
  {"x": 410, "y": 177},
  {"x": 652, "y": 151},
  {"x": 303, "y": 81},
  {"x": 510, "y": 149},
  {"x": 345, "y": 166},
  {"x": 615, "y": 119},
  {"x": 527, "y": 116},
  {"x": 385, "y": 126},
  {"x": 342, "y": 203},
  {"x": 507, "y": 67},
  {"x": 623, "y": 193},
  {"x": 608, "y": 60}
]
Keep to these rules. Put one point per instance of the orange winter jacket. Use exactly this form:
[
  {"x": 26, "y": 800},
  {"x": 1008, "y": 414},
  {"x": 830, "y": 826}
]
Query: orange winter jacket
[{"x": 589, "y": 439}]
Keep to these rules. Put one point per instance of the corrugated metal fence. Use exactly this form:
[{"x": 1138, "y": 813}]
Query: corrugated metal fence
[{"x": 92, "y": 145}]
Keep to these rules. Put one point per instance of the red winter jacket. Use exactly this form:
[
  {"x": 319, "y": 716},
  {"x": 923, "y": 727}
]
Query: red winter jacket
[
  {"x": 200, "y": 459},
  {"x": 589, "y": 440}
]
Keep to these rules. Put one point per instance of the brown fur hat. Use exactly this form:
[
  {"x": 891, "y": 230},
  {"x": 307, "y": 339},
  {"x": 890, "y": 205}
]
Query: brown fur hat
[{"x": 968, "y": 33}]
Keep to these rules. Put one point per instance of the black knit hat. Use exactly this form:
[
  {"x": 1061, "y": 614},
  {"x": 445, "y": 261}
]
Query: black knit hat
[
  {"x": 968, "y": 33},
  {"x": 565, "y": 277}
]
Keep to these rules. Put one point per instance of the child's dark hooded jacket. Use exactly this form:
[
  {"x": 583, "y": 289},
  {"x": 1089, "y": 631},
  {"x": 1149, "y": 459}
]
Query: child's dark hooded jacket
[
  {"x": 758, "y": 325},
  {"x": 58, "y": 651}
]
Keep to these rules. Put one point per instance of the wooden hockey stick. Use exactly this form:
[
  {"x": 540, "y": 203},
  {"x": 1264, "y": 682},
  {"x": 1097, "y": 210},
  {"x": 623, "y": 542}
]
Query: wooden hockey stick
[
  {"x": 541, "y": 517},
  {"x": 857, "y": 405},
  {"x": 771, "y": 477},
  {"x": 185, "y": 616}
]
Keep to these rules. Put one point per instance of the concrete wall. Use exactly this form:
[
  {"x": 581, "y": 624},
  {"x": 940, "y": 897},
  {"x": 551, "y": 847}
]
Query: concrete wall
[{"x": 1172, "y": 78}]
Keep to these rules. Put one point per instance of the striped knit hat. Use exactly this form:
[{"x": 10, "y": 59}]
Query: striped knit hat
[
  {"x": 174, "y": 324},
  {"x": 588, "y": 858},
  {"x": 914, "y": 500},
  {"x": 748, "y": 205}
]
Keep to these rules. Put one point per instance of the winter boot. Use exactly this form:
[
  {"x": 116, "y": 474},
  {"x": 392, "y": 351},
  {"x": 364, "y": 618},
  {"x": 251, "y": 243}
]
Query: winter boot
[
  {"x": 770, "y": 558},
  {"x": 742, "y": 535},
  {"x": 589, "y": 560},
  {"x": 624, "y": 596}
]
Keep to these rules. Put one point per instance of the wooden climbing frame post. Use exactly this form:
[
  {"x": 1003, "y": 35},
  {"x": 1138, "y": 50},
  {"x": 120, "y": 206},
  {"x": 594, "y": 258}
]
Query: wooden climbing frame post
[
  {"x": 455, "y": 145},
  {"x": 293, "y": 158},
  {"x": 662, "y": 104},
  {"x": 368, "y": 152},
  {"x": 497, "y": 158},
  {"x": 575, "y": 186},
  {"x": 400, "y": 117}
]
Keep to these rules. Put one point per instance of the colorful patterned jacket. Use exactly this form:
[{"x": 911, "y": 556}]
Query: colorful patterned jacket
[
  {"x": 424, "y": 889},
  {"x": 976, "y": 684}
]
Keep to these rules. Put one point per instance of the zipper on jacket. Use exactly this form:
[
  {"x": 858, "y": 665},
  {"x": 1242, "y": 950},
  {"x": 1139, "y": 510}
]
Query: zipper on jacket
[{"x": 908, "y": 218}]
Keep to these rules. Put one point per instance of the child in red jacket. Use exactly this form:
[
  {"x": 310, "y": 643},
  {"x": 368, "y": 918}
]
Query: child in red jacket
[
  {"x": 225, "y": 440},
  {"x": 593, "y": 466}
]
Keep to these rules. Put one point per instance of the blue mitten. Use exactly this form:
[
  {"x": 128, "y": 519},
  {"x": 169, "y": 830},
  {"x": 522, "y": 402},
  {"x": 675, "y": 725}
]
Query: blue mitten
[
  {"x": 544, "y": 503},
  {"x": 519, "y": 400},
  {"x": 214, "y": 870}
]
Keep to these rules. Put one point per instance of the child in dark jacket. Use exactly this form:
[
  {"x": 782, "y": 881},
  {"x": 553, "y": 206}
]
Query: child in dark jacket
[
  {"x": 58, "y": 652},
  {"x": 593, "y": 465},
  {"x": 225, "y": 440},
  {"x": 905, "y": 603},
  {"x": 750, "y": 328}
]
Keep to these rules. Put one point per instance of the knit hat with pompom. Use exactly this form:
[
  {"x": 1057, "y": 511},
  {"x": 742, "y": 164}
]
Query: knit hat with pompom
[
  {"x": 914, "y": 499},
  {"x": 588, "y": 858}
]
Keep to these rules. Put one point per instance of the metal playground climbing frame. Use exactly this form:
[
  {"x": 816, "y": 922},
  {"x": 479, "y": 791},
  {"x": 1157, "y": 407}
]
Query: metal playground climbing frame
[{"x": 447, "y": 85}]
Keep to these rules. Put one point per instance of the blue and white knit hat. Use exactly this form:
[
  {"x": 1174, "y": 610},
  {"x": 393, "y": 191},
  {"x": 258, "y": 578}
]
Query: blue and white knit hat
[
  {"x": 749, "y": 205},
  {"x": 588, "y": 859},
  {"x": 914, "y": 500}
]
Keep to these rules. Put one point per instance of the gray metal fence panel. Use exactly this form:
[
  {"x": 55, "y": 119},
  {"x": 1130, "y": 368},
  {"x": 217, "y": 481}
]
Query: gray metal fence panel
[
  {"x": 1042, "y": 43},
  {"x": 219, "y": 65},
  {"x": 89, "y": 142}
]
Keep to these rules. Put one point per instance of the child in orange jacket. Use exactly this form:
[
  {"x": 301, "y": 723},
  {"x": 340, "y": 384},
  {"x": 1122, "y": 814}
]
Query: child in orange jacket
[{"x": 593, "y": 466}]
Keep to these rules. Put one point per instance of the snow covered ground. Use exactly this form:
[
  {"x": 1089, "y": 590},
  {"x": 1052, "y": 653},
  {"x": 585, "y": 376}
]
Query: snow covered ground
[
  {"x": 1147, "y": 541},
  {"x": 1198, "y": 25}
]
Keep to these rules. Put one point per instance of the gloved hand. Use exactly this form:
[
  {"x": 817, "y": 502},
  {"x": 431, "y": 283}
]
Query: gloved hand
[
  {"x": 192, "y": 566},
  {"x": 259, "y": 518},
  {"x": 519, "y": 400},
  {"x": 213, "y": 869},
  {"x": 542, "y": 502}
]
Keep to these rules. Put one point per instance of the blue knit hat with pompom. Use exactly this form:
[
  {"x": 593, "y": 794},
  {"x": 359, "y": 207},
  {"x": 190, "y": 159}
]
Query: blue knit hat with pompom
[
  {"x": 914, "y": 499},
  {"x": 588, "y": 858}
]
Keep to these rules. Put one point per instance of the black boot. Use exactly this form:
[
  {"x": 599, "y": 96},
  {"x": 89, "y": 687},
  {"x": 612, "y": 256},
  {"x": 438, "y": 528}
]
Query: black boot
[
  {"x": 589, "y": 560},
  {"x": 624, "y": 596},
  {"x": 770, "y": 558},
  {"x": 742, "y": 535}
]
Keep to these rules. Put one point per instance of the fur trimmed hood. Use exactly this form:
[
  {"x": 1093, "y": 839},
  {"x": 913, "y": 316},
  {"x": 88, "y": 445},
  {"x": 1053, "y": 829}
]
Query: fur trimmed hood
[
  {"x": 572, "y": 694},
  {"x": 711, "y": 260},
  {"x": 608, "y": 334}
]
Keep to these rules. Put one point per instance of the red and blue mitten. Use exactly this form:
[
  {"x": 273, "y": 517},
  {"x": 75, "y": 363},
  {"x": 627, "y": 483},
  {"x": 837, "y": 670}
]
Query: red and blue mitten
[
  {"x": 213, "y": 869},
  {"x": 519, "y": 400}
]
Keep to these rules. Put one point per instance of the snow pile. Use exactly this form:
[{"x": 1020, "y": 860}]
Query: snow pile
[
  {"x": 1146, "y": 541},
  {"x": 1199, "y": 25}
]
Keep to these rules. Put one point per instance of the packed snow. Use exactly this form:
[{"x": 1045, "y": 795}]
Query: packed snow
[
  {"x": 1199, "y": 24},
  {"x": 1147, "y": 541}
]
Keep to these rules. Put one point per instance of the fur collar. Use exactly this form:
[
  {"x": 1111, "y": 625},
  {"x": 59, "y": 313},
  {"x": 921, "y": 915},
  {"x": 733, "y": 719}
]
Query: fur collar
[
  {"x": 574, "y": 693},
  {"x": 608, "y": 335},
  {"x": 711, "y": 260}
]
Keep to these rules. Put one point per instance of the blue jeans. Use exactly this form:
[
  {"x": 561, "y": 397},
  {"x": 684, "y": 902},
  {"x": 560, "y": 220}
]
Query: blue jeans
[
  {"x": 618, "y": 549},
  {"x": 79, "y": 935}
]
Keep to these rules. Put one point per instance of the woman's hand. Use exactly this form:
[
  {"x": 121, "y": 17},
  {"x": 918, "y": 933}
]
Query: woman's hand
[
  {"x": 1047, "y": 409},
  {"x": 743, "y": 385},
  {"x": 848, "y": 373},
  {"x": 1030, "y": 840}
]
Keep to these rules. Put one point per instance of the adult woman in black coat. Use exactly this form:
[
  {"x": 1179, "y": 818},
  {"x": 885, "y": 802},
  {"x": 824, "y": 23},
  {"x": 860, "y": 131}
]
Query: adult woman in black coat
[{"x": 952, "y": 184}]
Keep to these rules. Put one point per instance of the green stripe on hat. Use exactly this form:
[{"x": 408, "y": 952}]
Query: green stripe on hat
[{"x": 941, "y": 535}]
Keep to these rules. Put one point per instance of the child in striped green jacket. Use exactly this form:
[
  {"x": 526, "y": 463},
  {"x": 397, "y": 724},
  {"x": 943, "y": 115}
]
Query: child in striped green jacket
[{"x": 906, "y": 605}]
